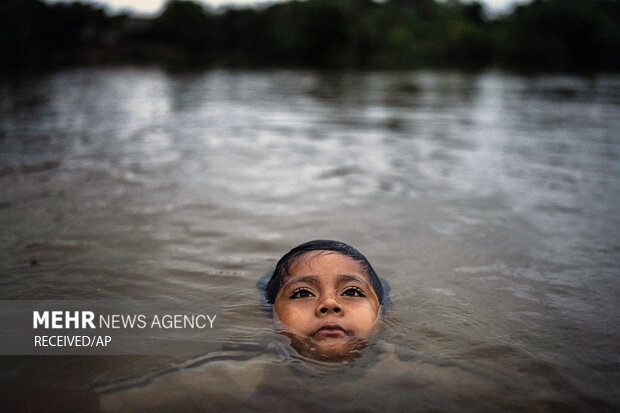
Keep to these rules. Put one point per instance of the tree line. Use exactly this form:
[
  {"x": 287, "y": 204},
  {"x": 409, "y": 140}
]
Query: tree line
[{"x": 558, "y": 35}]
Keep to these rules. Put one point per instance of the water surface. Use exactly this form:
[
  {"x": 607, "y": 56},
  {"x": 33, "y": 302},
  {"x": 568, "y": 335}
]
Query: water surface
[{"x": 489, "y": 202}]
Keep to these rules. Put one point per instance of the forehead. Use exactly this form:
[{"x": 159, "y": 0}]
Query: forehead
[{"x": 325, "y": 263}]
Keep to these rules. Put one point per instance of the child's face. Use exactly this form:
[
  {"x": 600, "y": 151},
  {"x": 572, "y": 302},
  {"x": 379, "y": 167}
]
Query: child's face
[{"x": 328, "y": 303}]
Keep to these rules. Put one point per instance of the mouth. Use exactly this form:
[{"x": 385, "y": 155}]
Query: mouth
[{"x": 330, "y": 331}]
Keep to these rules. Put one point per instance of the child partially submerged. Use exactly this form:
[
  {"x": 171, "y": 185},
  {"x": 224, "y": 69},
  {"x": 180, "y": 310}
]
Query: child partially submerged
[{"x": 326, "y": 297}]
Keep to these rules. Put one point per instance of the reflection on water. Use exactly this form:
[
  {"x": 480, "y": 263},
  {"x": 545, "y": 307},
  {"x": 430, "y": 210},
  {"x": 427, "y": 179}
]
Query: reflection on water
[{"x": 488, "y": 201}]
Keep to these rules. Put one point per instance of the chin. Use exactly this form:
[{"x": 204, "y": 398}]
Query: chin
[{"x": 328, "y": 349}]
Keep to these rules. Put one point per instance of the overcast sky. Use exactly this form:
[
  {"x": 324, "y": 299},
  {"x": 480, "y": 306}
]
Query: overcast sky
[{"x": 153, "y": 6}]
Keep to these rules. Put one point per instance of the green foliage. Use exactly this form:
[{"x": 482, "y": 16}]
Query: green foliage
[
  {"x": 186, "y": 23},
  {"x": 21, "y": 37},
  {"x": 308, "y": 33},
  {"x": 563, "y": 35},
  {"x": 542, "y": 35}
]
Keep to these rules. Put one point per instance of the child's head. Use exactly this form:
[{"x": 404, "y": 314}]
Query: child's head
[{"x": 327, "y": 295}]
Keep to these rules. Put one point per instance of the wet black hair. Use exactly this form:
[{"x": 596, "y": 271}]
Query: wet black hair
[{"x": 283, "y": 266}]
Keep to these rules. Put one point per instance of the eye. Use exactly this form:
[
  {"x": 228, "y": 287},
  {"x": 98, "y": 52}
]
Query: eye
[
  {"x": 353, "y": 292},
  {"x": 301, "y": 293}
]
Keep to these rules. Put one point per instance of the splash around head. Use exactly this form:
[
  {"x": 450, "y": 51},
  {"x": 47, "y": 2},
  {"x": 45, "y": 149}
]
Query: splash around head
[{"x": 326, "y": 298}]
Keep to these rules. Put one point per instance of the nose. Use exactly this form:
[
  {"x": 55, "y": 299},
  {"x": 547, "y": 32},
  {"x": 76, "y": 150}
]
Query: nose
[{"x": 329, "y": 306}]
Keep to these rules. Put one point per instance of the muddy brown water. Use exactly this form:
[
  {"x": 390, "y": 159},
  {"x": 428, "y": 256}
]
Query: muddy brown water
[{"x": 488, "y": 201}]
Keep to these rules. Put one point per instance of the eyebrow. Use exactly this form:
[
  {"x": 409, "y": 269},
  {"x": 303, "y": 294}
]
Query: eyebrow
[
  {"x": 343, "y": 278},
  {"x": 312, "y": 279},
  {"x": 309, "y": 279}
]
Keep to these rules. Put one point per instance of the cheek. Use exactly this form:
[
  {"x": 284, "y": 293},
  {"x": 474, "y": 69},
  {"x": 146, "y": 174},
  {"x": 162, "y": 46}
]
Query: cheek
[
  {"x": 365, "y": 318},
  {"x": 291, "y": 315},
  {"x": 281, "y": 312}
]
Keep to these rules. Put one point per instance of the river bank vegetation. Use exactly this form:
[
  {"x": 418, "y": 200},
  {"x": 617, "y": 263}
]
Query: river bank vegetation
[{"x": 544, "y": 35}]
